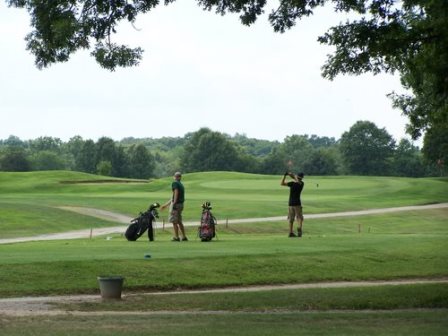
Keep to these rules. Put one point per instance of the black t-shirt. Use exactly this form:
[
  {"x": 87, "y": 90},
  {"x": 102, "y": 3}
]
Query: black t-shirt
[{"x": 295, "y": 189}]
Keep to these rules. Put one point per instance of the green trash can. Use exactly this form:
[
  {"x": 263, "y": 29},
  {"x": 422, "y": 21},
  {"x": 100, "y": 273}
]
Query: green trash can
[{"x": 111, "y": 286}]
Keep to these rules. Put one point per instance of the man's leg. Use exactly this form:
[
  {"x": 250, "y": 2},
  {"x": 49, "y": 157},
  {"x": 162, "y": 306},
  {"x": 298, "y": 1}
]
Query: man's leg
[
  {"x": 174, "y": 218},
  {"x": 176, "y": 232},
  {"x": 291, "y": 228},
  {"x": 291, "y": 215},
  {"x": 182, "y": 230},
  {"x": 300, "y": 222},
  {"x": 181, "y": 224}
]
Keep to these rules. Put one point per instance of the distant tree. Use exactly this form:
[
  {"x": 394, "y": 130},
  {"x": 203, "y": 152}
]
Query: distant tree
[
  {"x": 105, "y": 149},
  {"x": 14, "y": 159},
  {"x": 104, "y": 168},
  {"x": 320, "y": 162},
  {"x": 319, "y": 142},
  {"x": 210, "y": 151},
  {"x": 408, "y": 160},
  {"x": 276, "y": 162},
  {"x": 367, "y": 150},
  {"x": 167, "y": 162},
  {"x": 47, "y": 160},
  {"x": 141, "y": 162},
  {"x": 46, "y": 144},
  {"x": 14, "y": 141},
  {"x": 86, "y": 159},
  {"x": 255, "y": 147},
  {"x": 74, "y": 145},
  {"x": 298, "y": 151},
  {"x": 120, "y": 163}
]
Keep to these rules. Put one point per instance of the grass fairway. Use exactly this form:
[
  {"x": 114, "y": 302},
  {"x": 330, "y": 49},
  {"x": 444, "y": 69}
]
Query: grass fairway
[
  {"x": 331, "y": 250},
  {"x": 392, "y": 246},
  {"x": 29, "y": 201}
]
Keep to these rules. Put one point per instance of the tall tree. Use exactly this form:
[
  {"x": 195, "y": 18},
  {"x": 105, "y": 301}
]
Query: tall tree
[
  {"x": 15, "y": 159},
  {"x": 276, "y": 162},
  {"x": 408, "y": 160},
  {"x": 298, "y": 151},
  {"x": 105, "y": 149},
  {"x": 120, "y": 163},
  {"x": 46, "y": 143},
  {"x": 321, "y": 162},
  {"x": 74, "y": 145},
  {"x": 435, "y": 147},
  {"x": 47, "y": 160},
  {"x": 104, "y": 168},
  {"x": 210, "y": 151},
  {"x": 14, "y": 141},
  {"x": 367, "y": 149},
  {"x": 86, "y": 159},
  {"x": 141, "y": 162}
]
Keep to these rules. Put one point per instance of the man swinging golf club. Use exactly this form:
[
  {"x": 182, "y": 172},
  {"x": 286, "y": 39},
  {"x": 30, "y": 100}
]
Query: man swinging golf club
[{"x": 295, "y": 204}]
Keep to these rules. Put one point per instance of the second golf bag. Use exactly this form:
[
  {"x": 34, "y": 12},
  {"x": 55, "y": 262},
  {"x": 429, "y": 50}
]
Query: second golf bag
[
  {"x": 142, "y": 223},
  {"x": 207, "y": 229}
]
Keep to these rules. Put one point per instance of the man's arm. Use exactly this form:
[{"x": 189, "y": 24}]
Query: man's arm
[
  {"x": 283, "y": 182},
  {"x": 171, "y": 201},
  {"x": 163, "y": 207},
  {"x": 175, "y": 195}
]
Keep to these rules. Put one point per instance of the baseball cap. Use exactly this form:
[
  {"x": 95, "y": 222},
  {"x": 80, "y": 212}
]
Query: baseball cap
[
  {"x": 177, "y": 174},
  {"x": 300, "y": 174}
]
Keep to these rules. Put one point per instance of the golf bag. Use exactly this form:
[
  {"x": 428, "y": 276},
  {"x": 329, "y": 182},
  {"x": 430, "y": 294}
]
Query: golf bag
[
  {"x": 207, "y": 229},
  {"x": 142, "y": 223}
]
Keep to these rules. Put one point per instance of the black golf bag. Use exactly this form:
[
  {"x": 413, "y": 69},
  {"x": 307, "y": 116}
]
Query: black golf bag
[
  {"x": 207, "y": 229},
  {"x": 142, "y": 223}
]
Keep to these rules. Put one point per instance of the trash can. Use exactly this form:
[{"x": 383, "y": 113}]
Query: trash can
[{"x": 111, "y": 286}]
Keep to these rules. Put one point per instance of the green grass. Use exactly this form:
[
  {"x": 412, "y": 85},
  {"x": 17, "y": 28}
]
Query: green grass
[
  {"x": 29, "y": 201},
  {"x": 337, "y": 311},
  {"x": 408, "y": 323},
  {"x": 402, "y": 245},
  {"x": 396, "y": 247}
]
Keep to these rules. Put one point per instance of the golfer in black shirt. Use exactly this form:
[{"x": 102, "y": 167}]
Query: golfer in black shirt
[{"x": 295, "y": 204}]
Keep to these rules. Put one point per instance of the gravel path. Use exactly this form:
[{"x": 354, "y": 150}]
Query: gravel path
[
  {"x": 120, "y": 218},
  {"x": 43, "y": 306}
]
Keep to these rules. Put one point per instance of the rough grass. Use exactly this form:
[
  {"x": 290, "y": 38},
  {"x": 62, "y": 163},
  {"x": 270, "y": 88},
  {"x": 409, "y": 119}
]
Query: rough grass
[
  {"x": 387, "y": 297},
  {"x": 408, "y": 323}
]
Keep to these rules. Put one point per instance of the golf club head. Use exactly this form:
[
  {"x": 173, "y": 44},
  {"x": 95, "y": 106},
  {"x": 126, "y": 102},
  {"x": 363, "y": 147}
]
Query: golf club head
[
  {"x": 153, "y": 209},
  {"x": 154, "y": 206},
  {"x": 206, "y": 206}
]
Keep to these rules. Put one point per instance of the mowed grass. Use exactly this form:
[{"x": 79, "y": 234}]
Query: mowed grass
[
  {"x": 29, "y": 202},
  {"x": 331, "y": 250},
  {"x": 404, "y": 245}
]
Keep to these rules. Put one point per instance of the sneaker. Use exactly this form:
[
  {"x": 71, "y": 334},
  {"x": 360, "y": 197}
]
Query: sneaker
[
  {"x": 291, "y": 235},
  {"x": 299, "y": 233},
  {"x": 175, "y": 239},
  {"x": 184, "y": 239}
]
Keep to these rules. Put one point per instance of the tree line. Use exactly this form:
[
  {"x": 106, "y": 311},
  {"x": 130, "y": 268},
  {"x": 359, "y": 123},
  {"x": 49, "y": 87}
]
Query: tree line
[{"x": 364, "y": 149}]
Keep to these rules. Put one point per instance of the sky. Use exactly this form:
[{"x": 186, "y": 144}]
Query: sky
[{"x": 199, "y": 69}]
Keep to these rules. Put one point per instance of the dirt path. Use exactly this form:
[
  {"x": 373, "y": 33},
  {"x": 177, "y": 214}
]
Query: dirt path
[
  {"x": 120, "y": 218},
  {"x": 43, "y": 306}
]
